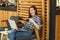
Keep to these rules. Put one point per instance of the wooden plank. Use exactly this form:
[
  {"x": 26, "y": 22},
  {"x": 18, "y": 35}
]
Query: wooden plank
[
  {"x": 48, "y": 17},
  {"x": 43, "y": 11},
  {"x": 28, "y": 8},
  {"x": 5, "y": 18},
  {"x": 1, "y": 18},
  {"x": 31, "y": 0},
  {"x": 24, "y": 6},
  {"x": 57, "y": 28},
  {"x": 36, "y": 4}
]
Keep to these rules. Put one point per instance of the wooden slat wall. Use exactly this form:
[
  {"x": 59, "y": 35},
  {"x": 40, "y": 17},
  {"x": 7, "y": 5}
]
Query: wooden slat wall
[
  {"x": 4, "y": 15},
  {"x": 43, "y": 11},
  {"x": 45, "y": 15}
]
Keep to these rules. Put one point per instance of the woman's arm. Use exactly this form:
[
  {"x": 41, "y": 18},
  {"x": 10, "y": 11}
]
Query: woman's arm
[
  {"x": 21, "y": 21},
  {"x": 35, "y": 24}
]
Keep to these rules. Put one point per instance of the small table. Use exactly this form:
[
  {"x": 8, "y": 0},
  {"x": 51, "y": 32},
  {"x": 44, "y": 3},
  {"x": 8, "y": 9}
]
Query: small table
[{"x": 4, "y": 33}]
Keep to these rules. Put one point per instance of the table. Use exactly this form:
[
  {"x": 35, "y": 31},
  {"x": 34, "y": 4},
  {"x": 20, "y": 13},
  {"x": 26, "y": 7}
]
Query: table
[{"x": 4, "y": 33}]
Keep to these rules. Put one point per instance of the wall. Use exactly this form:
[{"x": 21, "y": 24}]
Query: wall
[{"x": 4, "y": 15}]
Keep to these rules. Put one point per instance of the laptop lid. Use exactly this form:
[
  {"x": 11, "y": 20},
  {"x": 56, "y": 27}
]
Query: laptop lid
[{"x": 12, "y": 24}]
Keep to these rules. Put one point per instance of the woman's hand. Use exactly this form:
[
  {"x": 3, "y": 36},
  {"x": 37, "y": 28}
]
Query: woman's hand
[
  {"x": 36, "y": 25},
  {"x": 31, "y": 20},
  {"x": 22, "y": 22}
]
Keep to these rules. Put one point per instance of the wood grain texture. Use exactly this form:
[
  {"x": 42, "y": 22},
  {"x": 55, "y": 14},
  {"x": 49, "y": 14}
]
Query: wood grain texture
[
  {"x": 57, "y": 29},
  {"x": 5, "y": 15}
]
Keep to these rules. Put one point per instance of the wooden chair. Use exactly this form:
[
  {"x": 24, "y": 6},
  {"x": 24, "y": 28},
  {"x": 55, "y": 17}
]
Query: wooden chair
[{"x": 37, "y": 33}]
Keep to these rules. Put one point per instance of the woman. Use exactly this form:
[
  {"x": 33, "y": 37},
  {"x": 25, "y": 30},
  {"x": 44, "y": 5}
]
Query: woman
[{"x": 33, "y": 20}]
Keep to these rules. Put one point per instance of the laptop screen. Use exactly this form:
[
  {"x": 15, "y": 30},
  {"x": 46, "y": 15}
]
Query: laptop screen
[{"x": 12, "y": 24}]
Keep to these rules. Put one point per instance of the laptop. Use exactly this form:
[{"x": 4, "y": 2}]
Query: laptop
[{"x": 14, "y": 26}]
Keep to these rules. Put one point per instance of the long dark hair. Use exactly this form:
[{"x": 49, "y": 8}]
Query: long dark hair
[{"x": 34, "y": 9}]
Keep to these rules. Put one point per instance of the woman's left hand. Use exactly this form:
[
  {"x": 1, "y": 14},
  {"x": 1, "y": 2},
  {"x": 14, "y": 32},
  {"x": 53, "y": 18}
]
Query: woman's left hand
[
  {"x": 31, "y": 20},
  {"x": 36, "y": 25}
]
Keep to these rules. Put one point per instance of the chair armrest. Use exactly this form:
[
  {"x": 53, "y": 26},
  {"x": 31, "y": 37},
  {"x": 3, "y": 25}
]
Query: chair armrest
[
  {"x": 4, "y": 21},
  {"x": 37, "y": 33}
]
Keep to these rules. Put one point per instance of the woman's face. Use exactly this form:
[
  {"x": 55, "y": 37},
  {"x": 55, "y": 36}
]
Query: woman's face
[{"x": 32, "y": 11}]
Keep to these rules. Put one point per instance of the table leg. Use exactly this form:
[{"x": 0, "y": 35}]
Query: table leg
[{"x": 7, "y": 37}]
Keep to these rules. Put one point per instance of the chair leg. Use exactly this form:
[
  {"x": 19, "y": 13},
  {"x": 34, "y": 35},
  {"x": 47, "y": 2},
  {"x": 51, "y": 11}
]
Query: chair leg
[
  {"x": 1, "y": 36},
  {"x": 7, "y": 37}
]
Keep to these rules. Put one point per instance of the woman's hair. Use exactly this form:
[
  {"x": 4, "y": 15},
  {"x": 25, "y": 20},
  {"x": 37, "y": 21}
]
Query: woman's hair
[{"x": 34, "y": 9}]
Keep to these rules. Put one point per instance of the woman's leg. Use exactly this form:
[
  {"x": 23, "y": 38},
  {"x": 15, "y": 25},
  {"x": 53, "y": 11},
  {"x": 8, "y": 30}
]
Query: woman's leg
[
  {"x": 12, "y": 35},
  {"x": 24, "y": 33},
  {"x": 28, "y": 30}
]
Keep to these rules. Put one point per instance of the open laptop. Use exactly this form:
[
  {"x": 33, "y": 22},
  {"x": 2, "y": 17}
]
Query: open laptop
[{"x": 14, "y": 26}]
